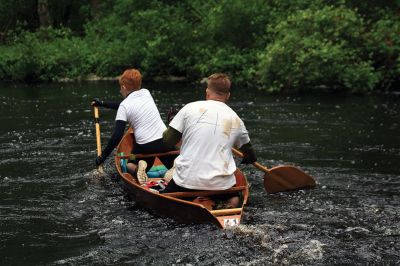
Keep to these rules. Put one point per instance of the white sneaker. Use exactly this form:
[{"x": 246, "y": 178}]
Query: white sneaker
[
  {"x": 141, "y": 172},
  {"x": 168, "y": 175}
]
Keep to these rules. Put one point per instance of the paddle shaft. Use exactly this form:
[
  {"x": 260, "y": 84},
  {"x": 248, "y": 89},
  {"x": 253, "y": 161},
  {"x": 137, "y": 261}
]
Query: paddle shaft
[
  {"x": 256, "y": 164},
  {"x": 98, "y": 140}
]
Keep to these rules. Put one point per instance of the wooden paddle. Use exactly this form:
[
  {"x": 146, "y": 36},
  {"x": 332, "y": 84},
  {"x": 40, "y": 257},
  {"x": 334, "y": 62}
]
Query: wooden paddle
[
  {"x": 98, "y": 141},
  {"x": 283, "y": 178}
]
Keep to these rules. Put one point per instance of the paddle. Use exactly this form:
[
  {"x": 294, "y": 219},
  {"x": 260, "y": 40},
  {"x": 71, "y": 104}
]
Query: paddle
[
  {"x": 283, "y": 178},
  {"x": 98, "y": 141}
]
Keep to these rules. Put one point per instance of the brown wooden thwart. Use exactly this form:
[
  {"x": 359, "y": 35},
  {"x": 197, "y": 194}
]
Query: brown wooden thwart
[{"x": 179, "y": 205}]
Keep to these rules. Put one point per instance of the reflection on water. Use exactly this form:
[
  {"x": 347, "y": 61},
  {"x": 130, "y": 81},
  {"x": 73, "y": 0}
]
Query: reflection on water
[{"x": 55, "y": 210}]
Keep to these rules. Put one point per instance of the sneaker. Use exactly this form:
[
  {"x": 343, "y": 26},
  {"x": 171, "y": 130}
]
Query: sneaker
[
  {"x": 168, "y": 175},
  {"x": 141, "y": 172}
]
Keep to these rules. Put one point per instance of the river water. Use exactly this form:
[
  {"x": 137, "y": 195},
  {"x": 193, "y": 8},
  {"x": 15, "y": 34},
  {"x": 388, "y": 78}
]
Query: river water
[{"x": 54, "y": 209}]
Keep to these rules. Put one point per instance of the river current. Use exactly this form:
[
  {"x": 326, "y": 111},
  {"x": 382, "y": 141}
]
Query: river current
[{"x": 55, "y": 209}]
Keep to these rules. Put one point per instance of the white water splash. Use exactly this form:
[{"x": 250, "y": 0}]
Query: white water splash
[
  {"x": 314, "y": 249},
  {"x": 96, "y": 173},
  {"x": 280, "y": 250},
  {"x": 257, "y": 233},
  {"x": 357, "y": 229}
]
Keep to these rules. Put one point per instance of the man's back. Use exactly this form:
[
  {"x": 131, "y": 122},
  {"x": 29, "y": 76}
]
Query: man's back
[
  {"x": 209, "y": 130},
  {"x": 140, "y": 111}
]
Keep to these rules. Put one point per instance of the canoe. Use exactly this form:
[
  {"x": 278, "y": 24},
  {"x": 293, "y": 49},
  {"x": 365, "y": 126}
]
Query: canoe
[{"x": 180, "y": 206}]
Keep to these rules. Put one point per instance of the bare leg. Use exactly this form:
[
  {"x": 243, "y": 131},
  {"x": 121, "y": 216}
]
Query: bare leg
[
  {"x": 233, "y": 202},
  {"x": 132, "y": 168}
]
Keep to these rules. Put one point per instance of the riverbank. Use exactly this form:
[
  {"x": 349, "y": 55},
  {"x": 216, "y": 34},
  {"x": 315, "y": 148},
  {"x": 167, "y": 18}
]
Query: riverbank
[{"x": 94, "y": 77}]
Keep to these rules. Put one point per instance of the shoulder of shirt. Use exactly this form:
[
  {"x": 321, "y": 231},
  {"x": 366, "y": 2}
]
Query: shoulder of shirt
[
  {"x": 142, "y": 91},
  {"x": 228, "y": 108},
  {"x": 193, "y": 104},
  {"x": 138, "y": 93},
  {"x": 123, "y": 102}
]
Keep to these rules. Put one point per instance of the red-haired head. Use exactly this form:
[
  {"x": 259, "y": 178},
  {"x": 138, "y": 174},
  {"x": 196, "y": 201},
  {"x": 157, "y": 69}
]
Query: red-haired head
[{"x": 131, "y": 79}]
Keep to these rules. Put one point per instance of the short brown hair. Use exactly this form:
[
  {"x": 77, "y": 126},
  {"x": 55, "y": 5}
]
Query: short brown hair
[
  {"x": 219, "y": 83},
  {"x": 131, "y": 78}
]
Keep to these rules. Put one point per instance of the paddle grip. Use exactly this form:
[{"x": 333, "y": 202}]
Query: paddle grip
[{"x": 98, "y": 140}]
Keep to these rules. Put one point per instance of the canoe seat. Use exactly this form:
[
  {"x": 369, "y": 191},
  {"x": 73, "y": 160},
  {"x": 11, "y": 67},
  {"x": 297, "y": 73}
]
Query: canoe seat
[{"x": 204, "y": 193}]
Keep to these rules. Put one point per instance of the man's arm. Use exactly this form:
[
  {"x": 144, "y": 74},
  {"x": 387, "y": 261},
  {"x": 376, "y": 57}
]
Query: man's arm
[
  {"x": 116, "y": 137},
  {"x": 171, "y": 137},
  {"x": 106, "y": 104}
]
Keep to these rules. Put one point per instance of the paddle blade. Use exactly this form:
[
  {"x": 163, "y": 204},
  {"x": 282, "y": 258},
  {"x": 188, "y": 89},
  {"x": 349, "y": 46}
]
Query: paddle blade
[{"x": 286, "y": 178}]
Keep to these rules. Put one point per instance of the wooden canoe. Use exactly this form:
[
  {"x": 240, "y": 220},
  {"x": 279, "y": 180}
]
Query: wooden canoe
[{"x": 179, "y": 205}]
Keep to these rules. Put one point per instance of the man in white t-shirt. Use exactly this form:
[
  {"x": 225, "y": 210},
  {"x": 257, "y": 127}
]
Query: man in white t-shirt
[
  {"x": 139, "y": 110},
  {"x": 208, "y": 130}
]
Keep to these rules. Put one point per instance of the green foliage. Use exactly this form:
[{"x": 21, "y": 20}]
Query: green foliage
[
  {"x": 155, "y": 39},
  {"x": 274, "y": 45},
  {"x": 383, "y": 44},
  {"x": 44, "y": 55},
  {"x": 233, "y": 61},
  {"x": 236, "y": 23},
  {"x": 318, "y": 49},
  {"x": 228, "y": 37}
]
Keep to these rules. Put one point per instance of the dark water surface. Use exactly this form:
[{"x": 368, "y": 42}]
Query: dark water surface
[{"x": 55, "y": 211}]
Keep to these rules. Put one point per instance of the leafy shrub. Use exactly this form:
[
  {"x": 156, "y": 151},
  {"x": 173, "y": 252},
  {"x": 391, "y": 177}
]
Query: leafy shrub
[
  {"x": 48, "y": 54},
  {"x": 318, "y": 49},
  {"x": 276, "y": 45},
  {"x": 383, "y": 44}
]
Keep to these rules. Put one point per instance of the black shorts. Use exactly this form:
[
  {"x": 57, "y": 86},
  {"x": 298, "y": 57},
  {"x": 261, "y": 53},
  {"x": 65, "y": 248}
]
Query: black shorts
[{"x": 156, "y": 146}]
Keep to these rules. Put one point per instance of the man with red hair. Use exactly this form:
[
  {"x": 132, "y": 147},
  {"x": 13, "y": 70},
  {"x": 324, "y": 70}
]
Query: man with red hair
[{"x": 139, "y": 110}]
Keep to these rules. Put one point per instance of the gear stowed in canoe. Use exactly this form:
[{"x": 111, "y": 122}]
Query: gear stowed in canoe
[{"x": 185, "y": 207}]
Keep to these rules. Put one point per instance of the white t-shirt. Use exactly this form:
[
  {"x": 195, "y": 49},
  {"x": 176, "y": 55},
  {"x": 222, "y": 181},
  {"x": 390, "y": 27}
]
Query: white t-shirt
[
  {"x": 209, "y": 130},
  {"x": 140, "y": 111}
]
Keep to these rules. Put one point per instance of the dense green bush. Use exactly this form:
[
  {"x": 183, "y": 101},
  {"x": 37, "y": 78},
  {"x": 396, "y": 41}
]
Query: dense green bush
[
  {"x": 229, "y": 37},
  {"x": 48, "y": 54},
  {"x": 318, "y": 49},
  {"x": 156, "y": 40},
  {"x": 383, "y": 44},
  {"x": 275, "y": 45}
]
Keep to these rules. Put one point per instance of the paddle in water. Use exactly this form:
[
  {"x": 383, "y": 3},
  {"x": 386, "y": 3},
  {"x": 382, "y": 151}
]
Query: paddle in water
[
  {"x": 283, "y": 178},
  {"x": 98, "y": 141}
]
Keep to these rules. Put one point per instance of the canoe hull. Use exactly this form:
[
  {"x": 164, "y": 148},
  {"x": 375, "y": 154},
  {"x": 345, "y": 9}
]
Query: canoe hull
[{"x": 182, "y": 210}]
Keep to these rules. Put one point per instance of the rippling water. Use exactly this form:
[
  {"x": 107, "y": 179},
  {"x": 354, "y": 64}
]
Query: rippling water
[{"x": 55, "y": 209}]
